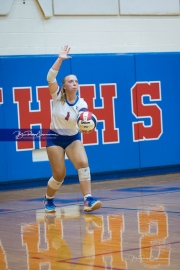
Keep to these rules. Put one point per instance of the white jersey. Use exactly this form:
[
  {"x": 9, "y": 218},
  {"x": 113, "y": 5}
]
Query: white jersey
[{"x": 64, "y": 115}]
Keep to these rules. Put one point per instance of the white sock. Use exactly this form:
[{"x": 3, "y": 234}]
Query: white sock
[
  {"x": 48, "y": 197},
  {"x": 87, "y": 195}
]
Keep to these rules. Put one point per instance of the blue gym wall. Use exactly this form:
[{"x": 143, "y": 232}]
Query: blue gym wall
[{"x": 107, "y": 160}]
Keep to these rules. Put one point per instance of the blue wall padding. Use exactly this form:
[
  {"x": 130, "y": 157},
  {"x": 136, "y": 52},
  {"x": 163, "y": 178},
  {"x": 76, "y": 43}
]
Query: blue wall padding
[
  {"x": 163, "y": 67},
  {"x": 96, "y": 70},
  {"x": 3, "y": 154}
]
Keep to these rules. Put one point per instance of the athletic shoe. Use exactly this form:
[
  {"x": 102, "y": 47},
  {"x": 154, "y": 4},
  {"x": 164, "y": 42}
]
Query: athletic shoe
[
  {"x": 49, "y": 205},
  {"x": 91, "y": 204}
]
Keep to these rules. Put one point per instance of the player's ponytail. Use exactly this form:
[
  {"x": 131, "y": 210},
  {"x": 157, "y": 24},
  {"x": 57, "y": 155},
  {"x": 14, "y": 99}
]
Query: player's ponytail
[{"x": 63, "y": 96}]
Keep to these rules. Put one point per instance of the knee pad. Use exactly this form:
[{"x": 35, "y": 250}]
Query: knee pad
[
  {"x": 52, "y": 183},
  {"x": 84, "y": 174}
]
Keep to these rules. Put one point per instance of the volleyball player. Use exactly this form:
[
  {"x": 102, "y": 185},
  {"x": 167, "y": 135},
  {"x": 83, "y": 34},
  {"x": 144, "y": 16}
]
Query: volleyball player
[{"x": 64, "y": 136}]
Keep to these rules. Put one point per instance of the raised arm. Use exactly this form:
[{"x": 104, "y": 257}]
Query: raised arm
[{"x": 51, "y": 76}]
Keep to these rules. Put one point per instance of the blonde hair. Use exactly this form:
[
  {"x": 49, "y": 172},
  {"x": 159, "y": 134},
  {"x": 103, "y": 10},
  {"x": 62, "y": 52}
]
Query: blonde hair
[{"x": 63, "y": 94}]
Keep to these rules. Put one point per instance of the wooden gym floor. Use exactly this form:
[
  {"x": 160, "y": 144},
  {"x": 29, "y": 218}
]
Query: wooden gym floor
[{"x": 138, "y": 227}]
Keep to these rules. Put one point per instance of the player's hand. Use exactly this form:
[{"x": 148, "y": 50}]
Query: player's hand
[{"x": 64, "y": 52}]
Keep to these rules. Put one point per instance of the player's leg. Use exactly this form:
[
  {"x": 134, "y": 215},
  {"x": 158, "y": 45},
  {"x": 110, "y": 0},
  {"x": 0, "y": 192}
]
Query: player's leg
[
  {"x": 56, "y": 159},
  {"x": 77, "y": 155}
]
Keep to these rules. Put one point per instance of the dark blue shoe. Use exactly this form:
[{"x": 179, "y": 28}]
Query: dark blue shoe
[
  {"x": 91, "y": 204},
  {"x": 49, "y": 205}
]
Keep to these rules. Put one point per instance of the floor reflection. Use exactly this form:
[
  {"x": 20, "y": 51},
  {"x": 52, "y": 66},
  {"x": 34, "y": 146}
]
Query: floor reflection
[
  {"x": 141, "y": 232},
  {"x": 49, "y": 246}
]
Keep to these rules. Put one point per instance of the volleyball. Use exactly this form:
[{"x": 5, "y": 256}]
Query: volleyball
[{"x": 86, "y": 121}]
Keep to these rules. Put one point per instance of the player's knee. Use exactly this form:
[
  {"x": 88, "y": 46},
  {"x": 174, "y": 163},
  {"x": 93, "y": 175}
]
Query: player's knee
[
  {"x": 54, "y": 184},
  {"x": 59, "y": 175},
  {"x": 83, "y": 164},
  {"x": 84, "y": 174}
]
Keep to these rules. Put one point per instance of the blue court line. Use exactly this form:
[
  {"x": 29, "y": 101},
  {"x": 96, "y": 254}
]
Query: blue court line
[
  {"x": 147, "y": 189},
  {"x": 103, "y": 207},
  {"x": 5, "y": 210},
  {"x": 57, "y": 200},
  {"x": 137, "y": 196},
  {"x": 102, "y": 200}
]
